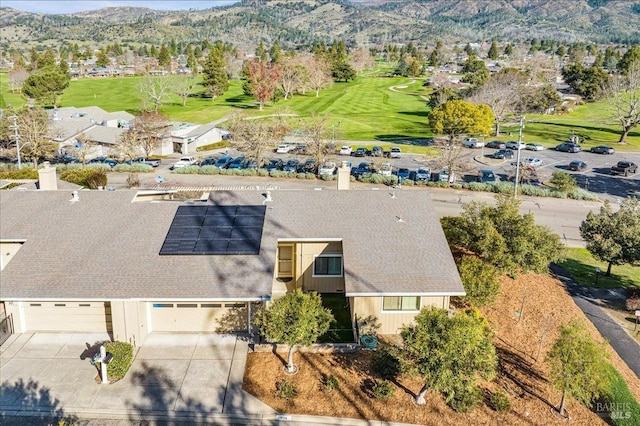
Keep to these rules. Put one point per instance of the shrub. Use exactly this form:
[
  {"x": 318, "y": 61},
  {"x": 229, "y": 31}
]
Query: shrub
[
  {"x": 87, "y": 177},
  {"x": 581, "y": 194},
  {"x": 456, "y": 186},
  {"x": 500, "y": 401},
  {"x": 479, "y": 280},
  {"x": 212, "y": 146},
  {"x": 385, "y": 363},
  {"x": 310, "y": 176},
  {"x": 330, "y": 383},
  {"x": 390, "y": 180},
  {"x": 187, "y": 170},
  {"x": 99, "y": 166},
  {"x": 301, "y": 176},
  {"x": 137, "y": 168},
  {"x": 478, "y": 186},
  {"x": 263, "y": 172},
  {"x": 376, "y": 178},
  {"x": 24, "y": 173},
  {"x": 465, "y": 397},
  {"x": 563, "y": 181},
  {"x": 286, "y": 390},
  {"x": 328, "y": 177},
  {"x": 383, "y": 389},
  {"x": 122, "y": 359},
  {"x": 209, "y": 170}
]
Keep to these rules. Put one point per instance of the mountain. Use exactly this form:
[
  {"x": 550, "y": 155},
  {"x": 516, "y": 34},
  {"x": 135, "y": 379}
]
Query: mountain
[{"x": 301, "y": 23}]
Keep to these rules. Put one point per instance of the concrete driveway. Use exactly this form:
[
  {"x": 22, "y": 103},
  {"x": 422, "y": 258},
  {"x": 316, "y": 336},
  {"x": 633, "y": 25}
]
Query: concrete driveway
[{"x": 174, "y": 377}]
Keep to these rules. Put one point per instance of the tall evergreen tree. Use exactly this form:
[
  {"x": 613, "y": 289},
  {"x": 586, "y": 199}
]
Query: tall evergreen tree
[
  {"x": 275, "y": 53},
  {"x": 261, "y": 52},
  {"x": 493, "y": 51},
  {"x": 215, "y": 77},
  {"x": 164, "y": 57}
]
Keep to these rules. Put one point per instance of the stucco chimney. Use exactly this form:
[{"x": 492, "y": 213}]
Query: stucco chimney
[
  {"x": 47, "y": 178},
  {"x": 344, "y": 176}
]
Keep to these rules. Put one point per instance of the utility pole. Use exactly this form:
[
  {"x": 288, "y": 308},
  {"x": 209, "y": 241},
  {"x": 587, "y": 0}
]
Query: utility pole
[
  {"x": 515, "y": 193},
  {"x": 16, "y": 136}
]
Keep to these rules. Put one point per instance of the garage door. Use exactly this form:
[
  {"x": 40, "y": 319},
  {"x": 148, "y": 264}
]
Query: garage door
[
  {"x": 199, "y": 317},
  {"x": 91, "y": 317}
]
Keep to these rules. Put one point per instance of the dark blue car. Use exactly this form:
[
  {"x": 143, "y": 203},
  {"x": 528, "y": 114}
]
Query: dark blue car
[{"x": 223, "y": 162}]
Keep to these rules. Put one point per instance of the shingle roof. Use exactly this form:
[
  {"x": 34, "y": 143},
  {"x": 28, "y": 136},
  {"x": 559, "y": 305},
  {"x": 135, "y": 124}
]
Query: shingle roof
[{"x": 104, "y": 246}]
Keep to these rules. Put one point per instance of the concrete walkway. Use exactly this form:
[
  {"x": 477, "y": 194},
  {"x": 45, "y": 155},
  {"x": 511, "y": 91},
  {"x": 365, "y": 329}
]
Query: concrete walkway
[{"x": 589, "y": 300}]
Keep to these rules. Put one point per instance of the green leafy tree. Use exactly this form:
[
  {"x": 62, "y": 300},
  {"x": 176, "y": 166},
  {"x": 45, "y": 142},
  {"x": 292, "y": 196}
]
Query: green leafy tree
[
  {"x": 468, "y": 50},
  {"x": 261, "y": 52},
  {"x": 214, "y": 74},
  {"x": 102, "y": 59},
  {"x": 614, "y": 237},
  {"x": 493, "y": 51},
  {"x": 508, "y": 49},
  {"x": 479, "y": 280},
  {"x": 164, "y": 57},
  {"x": 45, "y": 85},
  {"x": 64, "y": 68},
  {"x": 578, "y": 365},
  {"x": 276, "y": 52},
  {"x": 475, "y": 71},
  {"x": 630, "y": 56},
  {"x": 457, "y": 117},
  {"x": 503, "y": 237},
  {"x": 563, "y": 181},
  {"x": 47, "y": 59},
  {"x": 343, "y": 72},
  {"x": 447, "y": 350},
  {"x": 586, "y": 82},
  {"x": 296, "y": 318},
  {"x": 192, "y": 63}
]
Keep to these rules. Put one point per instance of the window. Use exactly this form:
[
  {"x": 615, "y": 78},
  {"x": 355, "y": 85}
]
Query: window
[
  {"x": 327, "y": 266},
  {"x": 401, "y": 303}
]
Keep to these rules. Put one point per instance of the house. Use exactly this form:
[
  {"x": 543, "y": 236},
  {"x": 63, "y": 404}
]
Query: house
[
  {"x": 131, "y": 263},
  {"x": 188, "y": 137}
]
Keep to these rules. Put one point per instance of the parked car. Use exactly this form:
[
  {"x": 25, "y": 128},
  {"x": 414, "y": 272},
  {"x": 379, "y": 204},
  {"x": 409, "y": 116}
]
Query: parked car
[
  {"x": 250, "y": 164},
  {"x": 385, "y": 169},
  {"x": 58, "y": 159},
  {"x": 223, "y": 162},
  {"x": 403, "y": 173},
  {"x": 503, "y": 154},
  {"x": 209, "y": 161},
  {"x": 345, "y": 150},
  {"x": 568, "y": 147},
  {"x": 103, "y": 160},
  {"x": 300, "y": 148},
  {"x": 533, "y": 146},
  {"x": 328, "y": 168},
  {"x": 183, "y": 162},
  {"x": 577, "y": 166},
  {"x": 153, "y": 162},
  {"x": 472, "y": 143},
  {"x": 376, "y": 151},
  {"x": 274, "y": 164},
  {"x": 602, "y": 149},
  {"x": 291, "y": 165},
  {"x": 360, "y": 152},
  {"x": 395, "y": 152},
  {"x": 514, "y": 145},
  {"x": 363, "y": 167},
  {"x": 486, "y": 176},
  {"x": 237, "y": 163},
  {"x": 309, "y": 166},
  {"x": 423, "y": 174},
  {"x": 283, "y": 149},
  {"x": 624, "y": 168},
  {"x": 496, "y": 145},
  {"x": 443, "y": 176},
  {"x": 531, "y": 162}
]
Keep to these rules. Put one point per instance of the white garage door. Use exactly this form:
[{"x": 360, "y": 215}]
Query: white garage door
[
  {"x": 199, "y": 317},
  {"x": 92, "y": 317}
]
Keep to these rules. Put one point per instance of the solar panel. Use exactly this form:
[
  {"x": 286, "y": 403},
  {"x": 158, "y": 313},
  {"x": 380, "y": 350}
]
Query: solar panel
[{"x": 215, "y": 230}]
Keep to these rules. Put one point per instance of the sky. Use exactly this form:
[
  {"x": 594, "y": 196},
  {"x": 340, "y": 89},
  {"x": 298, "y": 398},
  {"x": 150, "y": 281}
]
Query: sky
[{"x": 67, "y": 6}]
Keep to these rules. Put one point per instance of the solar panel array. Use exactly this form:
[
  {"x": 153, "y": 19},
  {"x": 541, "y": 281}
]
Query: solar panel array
[{"x": 215, "y": 230}]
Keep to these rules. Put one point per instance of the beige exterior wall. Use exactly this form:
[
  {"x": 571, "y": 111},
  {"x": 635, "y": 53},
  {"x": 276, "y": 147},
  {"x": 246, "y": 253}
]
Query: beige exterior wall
[
  {"x": 391, "y": 321},
  {"x": 129, "y": 321},
  {"x": 294, "y": 268}
]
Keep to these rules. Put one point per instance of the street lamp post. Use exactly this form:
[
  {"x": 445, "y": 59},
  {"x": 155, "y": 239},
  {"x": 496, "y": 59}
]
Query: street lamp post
[
  {"x": 515, "y": 193},
  {"x": 16, "y": 136}
]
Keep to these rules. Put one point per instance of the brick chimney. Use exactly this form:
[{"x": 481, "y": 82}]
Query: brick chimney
[{"x": 47, "y": 178}]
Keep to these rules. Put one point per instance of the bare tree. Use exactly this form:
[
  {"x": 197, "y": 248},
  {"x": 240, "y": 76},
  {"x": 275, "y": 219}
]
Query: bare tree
[
  {"x": 319, "y": 73},
  {"x": 623, "y": 95},
  {"x": 129, "y": 144},
  {"x": 154, "y": 91},
  {"x": 152, "y": 129},
  {"x": 17, "y": 76},
  {"x": 251, "y": 136},
  {"x": 184, "y": 86},
  {"x": 33, "y": 128},
  {"x": 502, "y": 93},
  {"x": 291, "y": 76},
  {"x": 361, "y": 60},
  {"x": 316, "y": 134},
  {"x": 83, "y": 147}
]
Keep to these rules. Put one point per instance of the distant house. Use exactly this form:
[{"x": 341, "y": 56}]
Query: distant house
[
  {"x": 187, "y": 137},
  {"x": 132, "y": 263}
]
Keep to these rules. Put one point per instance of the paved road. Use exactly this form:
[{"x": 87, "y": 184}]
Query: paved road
[{"x": 589, "y": 300}]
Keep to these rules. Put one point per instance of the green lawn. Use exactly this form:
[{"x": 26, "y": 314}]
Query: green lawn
[{"x": 582, "y": 267}]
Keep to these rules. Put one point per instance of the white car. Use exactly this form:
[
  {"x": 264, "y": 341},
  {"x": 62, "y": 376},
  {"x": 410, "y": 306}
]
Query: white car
[
  {"x": 327, "y": 168},
  {"x": 534, "y": 146},
  {"x": 283, "y": 149},
  {"x": 472, "y": 143},
  {"x": 385, "y": 169},
  {"x": 530, "y": 162},
  {"x": 345, "y": 150},
  {"x": 184, "y": 162},
  {"x": 395, "y": 152},
  {"x": 515, "y": 145}
]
